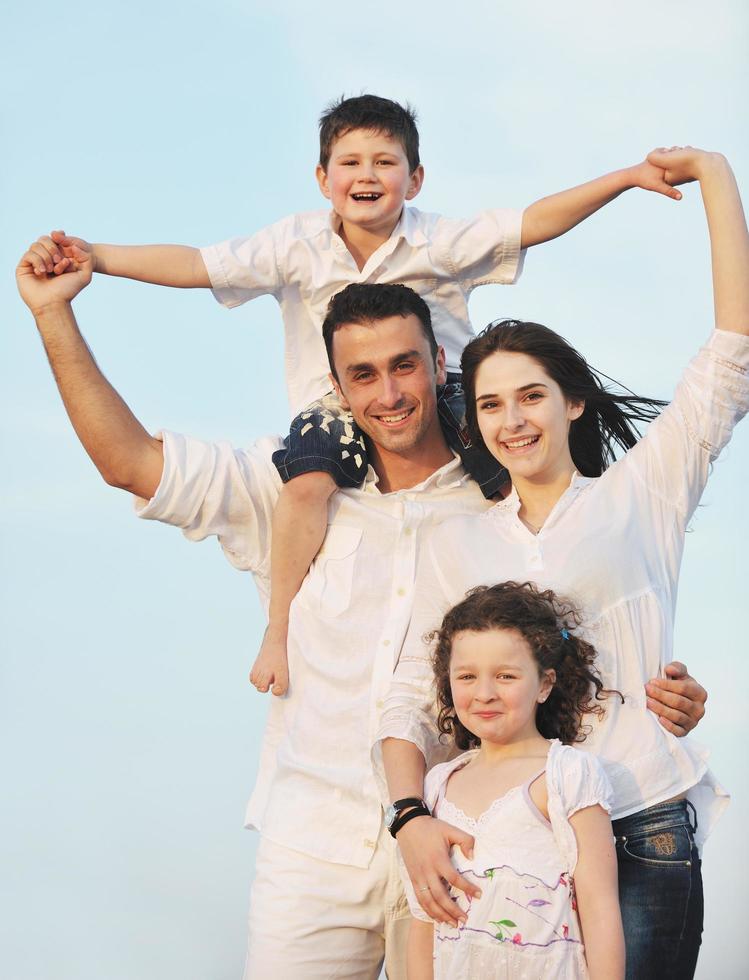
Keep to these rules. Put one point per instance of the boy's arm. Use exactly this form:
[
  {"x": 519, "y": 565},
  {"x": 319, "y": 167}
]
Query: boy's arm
[
  {"x": 552, "y": 216},
  {"x": 163, "y": 265},
  {"x": 596, "y": 888}
]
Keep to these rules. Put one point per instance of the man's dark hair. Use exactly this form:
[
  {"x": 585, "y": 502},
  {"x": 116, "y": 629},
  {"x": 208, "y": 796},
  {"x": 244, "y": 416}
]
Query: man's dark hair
[
  {"x": 372, "y": 114},
  {"x": 366, "y": 302}
]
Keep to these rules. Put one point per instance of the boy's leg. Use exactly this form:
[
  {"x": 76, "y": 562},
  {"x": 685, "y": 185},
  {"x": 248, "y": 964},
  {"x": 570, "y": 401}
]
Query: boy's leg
[
  {"x": 324, "y": 450},
  {"x": 300, "y": 520},
  {"x": 490, "y": 475}
]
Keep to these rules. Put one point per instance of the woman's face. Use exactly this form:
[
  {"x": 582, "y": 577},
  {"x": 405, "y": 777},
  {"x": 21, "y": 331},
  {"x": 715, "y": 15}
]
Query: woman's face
[{"x": 524, "y": 417}]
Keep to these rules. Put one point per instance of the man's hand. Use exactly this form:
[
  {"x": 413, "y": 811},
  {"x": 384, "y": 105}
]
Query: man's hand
[
  {"x": 425, "y": 844},
  {"x": 677, "y": 699},
  {"x": 40, "y": 280}
]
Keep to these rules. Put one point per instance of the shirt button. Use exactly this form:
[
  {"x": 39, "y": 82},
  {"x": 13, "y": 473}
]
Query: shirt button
[
  {"x": 386, "y": 643},
  {"x": 401, "y": 592},
  {"x": 370, "y": 843},
  {"x": 380, "y": 703},
  {"x": 408, "y": 531}
]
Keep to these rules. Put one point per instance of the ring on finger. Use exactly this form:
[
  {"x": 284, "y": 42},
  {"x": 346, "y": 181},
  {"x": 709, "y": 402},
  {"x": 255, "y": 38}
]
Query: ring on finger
[{"x": 424, "y": 888}]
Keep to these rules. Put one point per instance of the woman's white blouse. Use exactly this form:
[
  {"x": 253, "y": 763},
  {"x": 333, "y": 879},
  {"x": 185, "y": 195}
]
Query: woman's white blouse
[{"x": 613, "y": 546}]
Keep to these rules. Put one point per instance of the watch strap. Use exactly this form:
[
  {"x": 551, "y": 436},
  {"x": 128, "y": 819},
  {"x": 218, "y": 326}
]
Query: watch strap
[
  {"x": 400, "y": 805},
  {"x": 420, "y": 810}
]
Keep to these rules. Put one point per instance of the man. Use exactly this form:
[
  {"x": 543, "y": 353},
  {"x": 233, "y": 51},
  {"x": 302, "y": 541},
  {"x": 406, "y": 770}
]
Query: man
[{"x": 327, "y": 899}]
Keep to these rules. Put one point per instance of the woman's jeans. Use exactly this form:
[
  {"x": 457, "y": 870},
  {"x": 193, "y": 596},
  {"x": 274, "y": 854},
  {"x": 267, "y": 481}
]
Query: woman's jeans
[{"x": 660, "y": 891}]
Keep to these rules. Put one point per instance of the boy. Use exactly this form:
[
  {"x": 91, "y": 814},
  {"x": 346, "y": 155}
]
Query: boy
[{"x": 368, "y": 169}]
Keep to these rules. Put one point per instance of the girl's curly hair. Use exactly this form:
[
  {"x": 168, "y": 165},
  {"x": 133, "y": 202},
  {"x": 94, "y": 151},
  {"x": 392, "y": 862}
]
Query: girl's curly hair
[{"x": 546, "y": 622}]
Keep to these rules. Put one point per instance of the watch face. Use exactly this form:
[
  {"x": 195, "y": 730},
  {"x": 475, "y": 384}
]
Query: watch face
[{"x": 390, "y": 814}]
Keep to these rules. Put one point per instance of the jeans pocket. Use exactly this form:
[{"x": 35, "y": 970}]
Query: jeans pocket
[{"x": 662, "y": 847}]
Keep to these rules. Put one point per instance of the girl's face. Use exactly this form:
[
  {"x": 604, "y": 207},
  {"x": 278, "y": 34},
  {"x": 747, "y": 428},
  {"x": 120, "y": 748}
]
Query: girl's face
[
  {"x": 524, "y": 417},
  {"x": 496, "y": 685}
]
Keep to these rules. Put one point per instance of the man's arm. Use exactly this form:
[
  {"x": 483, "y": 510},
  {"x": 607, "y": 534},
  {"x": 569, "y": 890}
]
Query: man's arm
[
  {"x": 552, "y": 216},
  {"x": 163, "y": 265},
  {"x": 121, "y": 449}
]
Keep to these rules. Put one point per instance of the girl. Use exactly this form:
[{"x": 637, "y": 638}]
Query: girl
[
  {"x": 511, "y": 674},
  {"x": 610, "y": 534}
]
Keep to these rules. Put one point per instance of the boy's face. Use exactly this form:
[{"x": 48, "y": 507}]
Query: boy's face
[{"x": 367, "y": 180}]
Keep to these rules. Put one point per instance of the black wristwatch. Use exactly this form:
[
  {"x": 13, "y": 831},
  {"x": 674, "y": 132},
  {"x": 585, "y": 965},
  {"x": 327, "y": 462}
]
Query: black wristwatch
[{"x": 395, "y": 818}]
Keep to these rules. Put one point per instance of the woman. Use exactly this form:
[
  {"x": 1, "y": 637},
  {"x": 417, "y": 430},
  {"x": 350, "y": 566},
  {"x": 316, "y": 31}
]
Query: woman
[{"x": 609, "y": 537}]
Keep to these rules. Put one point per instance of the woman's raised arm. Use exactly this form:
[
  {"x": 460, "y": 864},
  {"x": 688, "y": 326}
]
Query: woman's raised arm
[{"x": 729, "y": 240}]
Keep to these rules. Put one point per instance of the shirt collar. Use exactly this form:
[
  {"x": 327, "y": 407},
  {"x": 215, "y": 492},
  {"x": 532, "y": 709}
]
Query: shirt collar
[
  {"x": 408, "y": 227},
  {"x": 511, "y": 503},
  {"x": 451, "y": 474}
]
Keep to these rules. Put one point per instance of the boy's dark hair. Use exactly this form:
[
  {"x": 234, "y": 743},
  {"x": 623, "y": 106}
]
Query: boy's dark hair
[
  {"x": 546, "y": 622},
  {"x": 373, "y": 114},
  {"x": 610, "y": 417},
  {"x": 367, "y": 302}
]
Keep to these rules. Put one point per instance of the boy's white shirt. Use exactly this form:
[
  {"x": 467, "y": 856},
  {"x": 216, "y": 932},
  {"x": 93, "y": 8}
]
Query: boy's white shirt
[
  {"x": 315, "y": 790},
  {"x": 303, "y": 262}
]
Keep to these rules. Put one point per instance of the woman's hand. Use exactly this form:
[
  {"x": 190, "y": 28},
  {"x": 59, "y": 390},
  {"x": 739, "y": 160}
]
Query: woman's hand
[
  {"x": 682, "y": 164},
  {"x": 425, "y": 844}
]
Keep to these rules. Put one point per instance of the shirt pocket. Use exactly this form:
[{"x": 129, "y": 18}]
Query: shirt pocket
[{"x": 327, "y": 588}]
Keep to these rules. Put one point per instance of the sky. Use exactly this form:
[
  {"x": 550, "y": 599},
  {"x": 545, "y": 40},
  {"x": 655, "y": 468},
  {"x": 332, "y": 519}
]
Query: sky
[{"x": 128, "y": 731}]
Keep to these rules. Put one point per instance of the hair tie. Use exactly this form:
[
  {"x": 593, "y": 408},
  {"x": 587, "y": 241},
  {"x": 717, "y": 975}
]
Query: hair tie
[{"x": 565, "y": 633}]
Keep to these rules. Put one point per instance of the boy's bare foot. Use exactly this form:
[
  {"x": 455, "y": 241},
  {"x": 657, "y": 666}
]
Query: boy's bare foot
[{"x": 271, "y": 666}]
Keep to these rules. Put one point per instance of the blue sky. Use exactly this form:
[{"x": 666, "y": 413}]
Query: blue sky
[{"x": 128, "y": 732}]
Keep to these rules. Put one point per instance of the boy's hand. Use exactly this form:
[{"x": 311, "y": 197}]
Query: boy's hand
[
  {"x": 60, "y": 247},
  {"x": 40, "y": 288},
  {"x": 651, "y": 177}
]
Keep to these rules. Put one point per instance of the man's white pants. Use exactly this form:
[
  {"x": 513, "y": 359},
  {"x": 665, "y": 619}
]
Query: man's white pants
[{"x": 314, "y": 920}]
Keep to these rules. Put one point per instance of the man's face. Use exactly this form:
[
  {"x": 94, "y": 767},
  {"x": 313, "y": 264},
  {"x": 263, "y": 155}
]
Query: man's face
[
  {"x": 367, "y": 180},
  {"x": 387, "y": 378}
]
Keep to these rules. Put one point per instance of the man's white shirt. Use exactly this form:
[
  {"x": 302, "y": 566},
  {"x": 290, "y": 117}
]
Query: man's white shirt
[{"x": 315, "y": 790}]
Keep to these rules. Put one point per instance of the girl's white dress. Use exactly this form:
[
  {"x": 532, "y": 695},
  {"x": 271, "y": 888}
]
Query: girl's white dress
[{"x": 525, "y": 924}]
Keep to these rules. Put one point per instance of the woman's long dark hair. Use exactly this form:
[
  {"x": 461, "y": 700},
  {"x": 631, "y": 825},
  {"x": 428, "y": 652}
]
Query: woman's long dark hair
[
  {"x": 547, "y": 624},
  {"x": 610, "y": 417}
]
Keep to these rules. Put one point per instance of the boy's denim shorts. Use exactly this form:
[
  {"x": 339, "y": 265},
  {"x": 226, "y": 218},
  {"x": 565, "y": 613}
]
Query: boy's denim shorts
[{"x": 326, "y": 438}]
